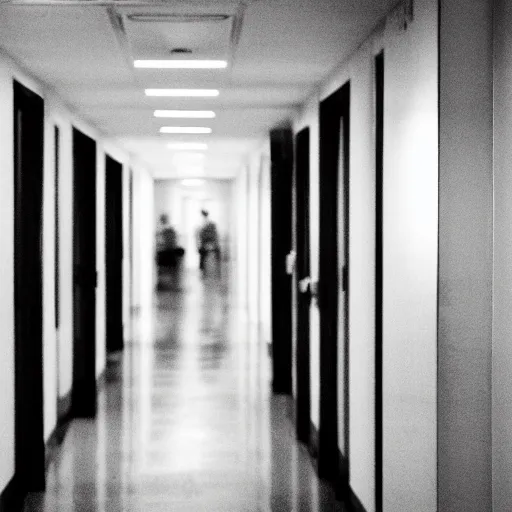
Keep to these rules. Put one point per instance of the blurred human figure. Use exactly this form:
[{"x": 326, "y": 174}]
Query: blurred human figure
[
  {"x": 208, "y": 241},
  {"x": 167, "y": 243}
]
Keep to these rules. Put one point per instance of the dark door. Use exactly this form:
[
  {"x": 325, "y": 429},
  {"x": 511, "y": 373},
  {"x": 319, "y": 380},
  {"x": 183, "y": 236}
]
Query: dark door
[
  {"x": 303, "y": 418},
  {"x": 130, "y": 240},
  {"x": 333, "y": 441},
  {"x": 84, "y": 276},
  {"x": 28, "y": 295},
  {"x": 114, "y": 254},
  {"x": 379, "y": 188},
  {"x": 281, "y": 157}
]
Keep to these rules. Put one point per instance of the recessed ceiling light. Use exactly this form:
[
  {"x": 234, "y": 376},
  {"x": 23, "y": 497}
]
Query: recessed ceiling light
[
  {"x": 192, "y": 182},
  {"x": 184, "y": 146},
  {"x": 161, "y": 17},
  {"x": 183, "y": 114},
  {"x": 180, "y": 64},
  {"x": 185, "y": 129},
  {"x": 182, "y": 92}
]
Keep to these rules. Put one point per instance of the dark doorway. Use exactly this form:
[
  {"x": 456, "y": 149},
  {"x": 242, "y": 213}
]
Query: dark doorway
[
  {"x": 84, "y": 276},
  {"x": 56, "y": 141},
  {"x": 281, "y": 157},
  {"x": 114, "y": 254},
  {"x": 28, "y": 289},
  {"x": 303, "y": 417},
  {"x": 379, "y": 192},
  {"x": 130, "y": 240},
  {"x": 333, "y": 439}
]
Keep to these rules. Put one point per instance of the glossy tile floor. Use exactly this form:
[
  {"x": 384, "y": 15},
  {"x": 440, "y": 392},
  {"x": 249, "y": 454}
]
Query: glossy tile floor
[{"x": 186, "y": 422}]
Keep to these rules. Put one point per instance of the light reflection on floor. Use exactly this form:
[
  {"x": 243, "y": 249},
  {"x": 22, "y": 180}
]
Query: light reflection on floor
[{"x": 186, "y": 423}]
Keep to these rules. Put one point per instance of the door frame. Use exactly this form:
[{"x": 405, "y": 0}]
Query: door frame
[
  {"x": 303, "y": 271},
  {"x": 114, "y": 255},
  {"x": 281, "y": 174},
  {"x": 334, "y": 110},
  {"x": 85, "y": 276},
  {"x": 29, "y": 443},
  {"x": 379, "y": 275}
]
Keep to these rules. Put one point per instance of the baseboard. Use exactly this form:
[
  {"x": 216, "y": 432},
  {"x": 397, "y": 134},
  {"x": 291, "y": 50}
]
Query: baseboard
[
  {"x": 341, "y": 479},
  {"x": 292, "y": 410},
  {"x": 313, "y": 441},
  {"x": 57, "y": 436},
  {"x": 12, "y": 497},
  {"x": 64, "y": 406},
  {"x": 51, "y": 447},
  {"x": 101, "y": 380},
  {"x": 355, "y": 504}
]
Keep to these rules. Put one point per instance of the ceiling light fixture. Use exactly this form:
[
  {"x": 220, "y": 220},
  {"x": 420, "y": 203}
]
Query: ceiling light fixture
[
  {"x": 182, "y": 92},
  {"x": 185, "y": 129},
  {"x": 161, "y": 17},
  {"x": 186, "y": 114},
  {"x": 192, "y": 182},
  {"x": 180, "y": 64}
]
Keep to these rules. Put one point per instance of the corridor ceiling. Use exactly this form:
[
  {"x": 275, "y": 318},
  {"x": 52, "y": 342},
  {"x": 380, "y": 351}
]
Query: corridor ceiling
[{"x": 277, "y": 52}]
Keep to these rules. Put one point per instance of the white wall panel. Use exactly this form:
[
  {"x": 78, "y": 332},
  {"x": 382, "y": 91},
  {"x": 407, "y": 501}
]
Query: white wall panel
[{"x": 7, "y": 273}]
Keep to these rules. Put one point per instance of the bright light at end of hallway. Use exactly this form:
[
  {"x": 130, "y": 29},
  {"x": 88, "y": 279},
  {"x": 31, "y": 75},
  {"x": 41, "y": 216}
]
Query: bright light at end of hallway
[
  {"x": 185, "y": 129},
  {"x": 192, "y": 182},
  {"x": 185, "y": 114},
  {"x": 182, "y": 92},
  {"x": 185, "y": 146},
  {"x": 180, "y": 64},
  {"x": 191, "y": 169}
]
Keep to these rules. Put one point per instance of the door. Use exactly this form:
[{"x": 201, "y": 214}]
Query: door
[
  {"x": 84, "y": 276},
  {"x": 28, "y": 289},
  {"x": 114, "y": 254},
  {"x": 303, "y": 417},
  {"x": 333, "y": 435},
  {"x": 281, "y": 156},
  {"x": 379, "y": 184}
]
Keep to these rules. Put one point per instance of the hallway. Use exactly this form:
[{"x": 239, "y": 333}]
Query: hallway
[{"x": 186, "y": 422}]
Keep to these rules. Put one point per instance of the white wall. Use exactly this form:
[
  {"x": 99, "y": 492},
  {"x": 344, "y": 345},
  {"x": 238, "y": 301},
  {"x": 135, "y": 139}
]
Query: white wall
[
  {"x": 264, "y": 272},
  {"x": 144, "y": 239},
  {"x": 253, "y": 228},
  {"x": 410, "y": 256},
  {"x": 410, "y": 262},
  {"x": 241, "y": 196},
  {"x": 7, "y": 272}
]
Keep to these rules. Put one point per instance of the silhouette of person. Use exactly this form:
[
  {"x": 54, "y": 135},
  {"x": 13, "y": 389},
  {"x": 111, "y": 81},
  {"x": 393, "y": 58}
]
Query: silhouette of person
[
  {"x": 167, "y": 243},
  {"x": 208, "y": 241}
]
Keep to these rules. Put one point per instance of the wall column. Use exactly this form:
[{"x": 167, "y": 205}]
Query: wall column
[{"x": 465, "y": 256}]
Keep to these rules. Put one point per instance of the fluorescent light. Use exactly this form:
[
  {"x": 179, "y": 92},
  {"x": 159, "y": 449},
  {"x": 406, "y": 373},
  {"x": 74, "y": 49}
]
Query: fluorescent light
[
  {"x": 188, "y": 158},
  {"x": 180, "y": 64},
  {"x": 185, "y": 129},
  {"x": 160, "y": 17},
  {"x": 182, "y": 92},
  {"x": 179, "y": 146},
  {"x": 185, "y": 114},
  {"x": 192, "y": 182}
]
